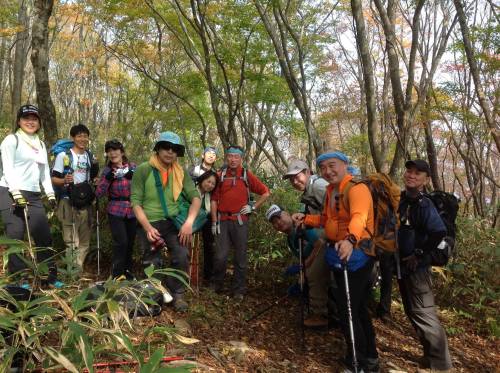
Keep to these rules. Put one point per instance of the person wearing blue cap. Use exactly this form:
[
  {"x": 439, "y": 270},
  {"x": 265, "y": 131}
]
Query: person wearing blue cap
[
  {"x": 348, "y": 223},
  {"x": 159, "y": 186},
  {"x": 207, "y": 163}
]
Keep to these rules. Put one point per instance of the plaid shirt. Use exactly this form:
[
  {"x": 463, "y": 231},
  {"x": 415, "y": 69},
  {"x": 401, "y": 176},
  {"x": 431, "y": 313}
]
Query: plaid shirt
[{"x": 118, "y": 188}]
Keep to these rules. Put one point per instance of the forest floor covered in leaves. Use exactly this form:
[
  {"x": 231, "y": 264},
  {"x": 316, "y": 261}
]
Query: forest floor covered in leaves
[{"x": 272, "y": 342}]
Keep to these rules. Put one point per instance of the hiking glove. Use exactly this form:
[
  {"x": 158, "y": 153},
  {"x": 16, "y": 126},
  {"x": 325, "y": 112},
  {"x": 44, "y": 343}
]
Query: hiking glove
[
  {"x": 247, "y": 209},
  {"x": 19, "y": 200},
  {"x": 129, "y": 174},
  {"x": 110, "y": 176},
  {"x": 292, "y": 270},
  {"x": 52, "y": 203},
  {"x": 215, "y": 228}
]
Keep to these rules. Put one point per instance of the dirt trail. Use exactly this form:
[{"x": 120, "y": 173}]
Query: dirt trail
[{"x": 272, "y": 342}]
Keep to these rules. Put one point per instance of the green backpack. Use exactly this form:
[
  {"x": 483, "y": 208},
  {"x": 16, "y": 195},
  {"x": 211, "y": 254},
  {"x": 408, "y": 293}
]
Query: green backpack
[{"x": 181, "y": 217}]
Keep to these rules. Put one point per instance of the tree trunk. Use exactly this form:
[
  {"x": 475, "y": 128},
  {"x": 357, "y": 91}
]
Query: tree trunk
[
  {"x": 474, "y": 70},
  {"x": 366, "y": 63},
  {"x": 3, "y": 50},
  {"x": 40, "y": 61},
  {"x": 430, "y": 147},
  {"x": 19, "y": 61}
]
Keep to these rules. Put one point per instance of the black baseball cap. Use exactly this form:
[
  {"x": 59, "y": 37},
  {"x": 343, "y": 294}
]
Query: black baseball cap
[
  {"x": 113, "y": 144},
  {"x": 419, "y": 164},
  {"x": 26, "y": 110}
]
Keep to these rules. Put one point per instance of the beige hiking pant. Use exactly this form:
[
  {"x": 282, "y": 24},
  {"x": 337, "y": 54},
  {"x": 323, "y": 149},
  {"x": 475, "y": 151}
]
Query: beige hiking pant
[{"x": 76, "y": 229}]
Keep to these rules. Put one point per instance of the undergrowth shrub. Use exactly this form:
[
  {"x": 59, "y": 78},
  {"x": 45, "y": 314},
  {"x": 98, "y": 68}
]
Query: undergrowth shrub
[{"x": 470, "y": 283}]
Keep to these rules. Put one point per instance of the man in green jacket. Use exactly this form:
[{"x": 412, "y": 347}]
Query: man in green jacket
[{"x": 158, "y": 187}]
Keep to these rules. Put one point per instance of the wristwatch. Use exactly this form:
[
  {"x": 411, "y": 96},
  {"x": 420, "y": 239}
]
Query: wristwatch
[{"x": 352, "y": 239}]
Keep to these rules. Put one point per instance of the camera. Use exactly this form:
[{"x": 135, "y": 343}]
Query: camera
[{"x": 158, "y": 244}]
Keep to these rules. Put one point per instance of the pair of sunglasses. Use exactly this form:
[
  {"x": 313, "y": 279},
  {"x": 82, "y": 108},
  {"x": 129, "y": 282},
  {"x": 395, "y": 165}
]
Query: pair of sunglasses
[{"x": 169, "y": 146}]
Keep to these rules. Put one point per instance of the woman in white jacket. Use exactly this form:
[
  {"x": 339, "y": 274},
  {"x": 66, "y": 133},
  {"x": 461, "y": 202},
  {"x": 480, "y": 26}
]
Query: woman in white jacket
[{"x": 24, "y": 168}]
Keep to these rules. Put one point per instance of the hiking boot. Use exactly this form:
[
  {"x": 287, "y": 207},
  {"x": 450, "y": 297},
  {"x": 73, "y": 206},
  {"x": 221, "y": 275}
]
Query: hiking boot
[
  {"x": 372, "y": 365},
  {"x": 180, "y": 305},
  {"x": 238, "y": 297},
  {"x": 316, "y": 321},
  {"x": 56, "y": 284},
  {"x": 215, "y": 288},
  {"x": 120, "y": 278},
  {"x": 25, "y": 286},
  {"x": 385, "y": 317}
]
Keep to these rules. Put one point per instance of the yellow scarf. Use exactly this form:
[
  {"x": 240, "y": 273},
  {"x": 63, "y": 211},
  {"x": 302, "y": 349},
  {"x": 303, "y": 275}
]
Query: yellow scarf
[{"x": 177, "y": 174}]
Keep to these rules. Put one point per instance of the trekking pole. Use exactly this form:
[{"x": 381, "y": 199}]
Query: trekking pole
[
  {"x": 30, "y": 244},
  {"x": 264, "y": 310},
  {"x": 73, "y": 234},
  {"x": 26, "y": 222},
  {"x": 98, "y": 238},
  {"x": 349, "y": 314},
  {"x": 300, "y": 233}
]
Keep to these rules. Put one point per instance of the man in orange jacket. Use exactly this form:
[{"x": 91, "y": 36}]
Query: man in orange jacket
[{"x": 348, "y": 221}]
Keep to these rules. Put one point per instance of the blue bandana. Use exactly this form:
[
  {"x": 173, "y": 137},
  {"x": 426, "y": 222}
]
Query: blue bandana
[
  {"x": 232, "y": 150},
  {"x": 338, "y": 155},
  {"x": 354, "y": 171}
]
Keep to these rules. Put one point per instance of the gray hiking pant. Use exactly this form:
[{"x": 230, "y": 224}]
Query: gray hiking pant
[
  {"x": 232, "y": 233},
  {"x": 418, "y": 302}
]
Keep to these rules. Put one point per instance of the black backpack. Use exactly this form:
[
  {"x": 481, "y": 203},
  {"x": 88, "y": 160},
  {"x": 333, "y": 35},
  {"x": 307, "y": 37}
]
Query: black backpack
[{"x": 447, "y": 205}]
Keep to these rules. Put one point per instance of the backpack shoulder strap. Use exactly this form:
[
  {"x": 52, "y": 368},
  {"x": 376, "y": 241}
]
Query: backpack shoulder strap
[
  {"x": 159, "y": 190},
  {"x": 344, "y": 196},
  {"x": 245, "y": 180}
]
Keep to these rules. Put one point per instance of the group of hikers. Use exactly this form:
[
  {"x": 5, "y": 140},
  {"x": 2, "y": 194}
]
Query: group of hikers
[{"x": 332, "y": 236}]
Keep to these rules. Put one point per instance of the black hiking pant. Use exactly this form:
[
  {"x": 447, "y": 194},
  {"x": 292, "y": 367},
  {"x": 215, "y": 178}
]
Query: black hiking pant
[
  {"x": 364, "y": 335},
  {"x": 123, "y": 231},
  {"x": 386, "y": 262},
  {"x": 208, "y": 251},
  {"x": 15, "y": 227}
]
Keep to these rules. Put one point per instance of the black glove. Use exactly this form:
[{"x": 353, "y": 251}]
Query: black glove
[
  {"x": 110, "y": 176},
  {"x": 129, "y": 174}
]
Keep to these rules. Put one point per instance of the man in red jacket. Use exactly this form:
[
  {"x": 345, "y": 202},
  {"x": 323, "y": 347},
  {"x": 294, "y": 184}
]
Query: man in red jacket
[{"x": 230, "y": 209}]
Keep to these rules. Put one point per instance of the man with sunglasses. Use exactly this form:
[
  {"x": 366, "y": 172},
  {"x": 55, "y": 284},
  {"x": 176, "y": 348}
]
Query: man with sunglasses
[
  {"x": 347, "y": 231},
  {"x": 158, "y": 187},
  {"x": 230, "y": 210}
]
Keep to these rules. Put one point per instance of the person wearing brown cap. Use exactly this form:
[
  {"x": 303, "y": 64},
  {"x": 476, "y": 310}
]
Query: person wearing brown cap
[
  {"x": 313, "y": 186},
  {"x": 421, "y": 230}
]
